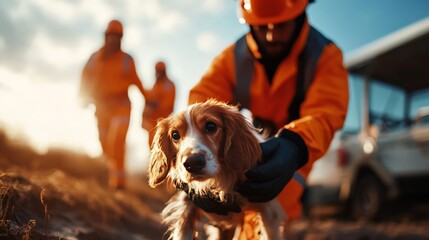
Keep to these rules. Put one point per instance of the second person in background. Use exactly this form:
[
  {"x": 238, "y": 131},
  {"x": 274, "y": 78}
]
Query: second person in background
[{"x": 159, "y": 100}]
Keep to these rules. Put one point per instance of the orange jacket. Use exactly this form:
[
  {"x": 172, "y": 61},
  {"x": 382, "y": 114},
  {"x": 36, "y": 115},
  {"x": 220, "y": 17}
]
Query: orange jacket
[
  {"x": 106, "y": 80},
  {"x": 159, "y": 102},
  {"x": 322, "y": 112}
]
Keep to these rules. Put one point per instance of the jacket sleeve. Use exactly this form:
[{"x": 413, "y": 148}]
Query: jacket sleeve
[
  {"x": 218, "y": 82},
  {"x": 134, "y": 78},
  {"x": 325, "y": 107}
]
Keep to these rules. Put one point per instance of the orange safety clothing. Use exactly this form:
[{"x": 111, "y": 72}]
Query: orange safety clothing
[
  {"x": 258, "y": 12},
  {"x": 321, "y": 113},
  {"x": 105, "y": 82},
  {"x": 159, "y": 104}
]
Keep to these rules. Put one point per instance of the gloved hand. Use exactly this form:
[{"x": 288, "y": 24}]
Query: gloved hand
[
  {"x": 210, "y": 203},
  {"x": 281, "y": 157}
]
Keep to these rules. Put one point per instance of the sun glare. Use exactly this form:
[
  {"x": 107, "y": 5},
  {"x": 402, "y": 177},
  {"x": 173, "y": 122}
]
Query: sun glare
[{"x": 47, "y": 114}]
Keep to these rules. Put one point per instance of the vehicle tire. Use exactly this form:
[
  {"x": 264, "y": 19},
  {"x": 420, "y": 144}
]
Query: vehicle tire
[{"x": 367, "y": 198}]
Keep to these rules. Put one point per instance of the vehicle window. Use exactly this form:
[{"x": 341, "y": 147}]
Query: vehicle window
[
  {"x": 419, "y": 103},
  {"x": 387, "y": 106}
]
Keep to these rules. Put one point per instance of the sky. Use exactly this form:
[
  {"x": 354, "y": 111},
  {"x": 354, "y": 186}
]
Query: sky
[{"x": 44, "y": 45}]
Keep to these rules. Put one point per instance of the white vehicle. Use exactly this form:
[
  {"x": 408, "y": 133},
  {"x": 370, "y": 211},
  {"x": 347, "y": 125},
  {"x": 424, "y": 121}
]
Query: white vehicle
[{"x": 389, "y": 156}]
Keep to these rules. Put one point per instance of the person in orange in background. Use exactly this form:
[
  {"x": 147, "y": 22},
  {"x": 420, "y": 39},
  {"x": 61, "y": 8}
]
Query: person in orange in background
[
  {"x": 292, "y": 79},
  {"x": 159, "y": 100},
  {"x": 105, "y": 80}
]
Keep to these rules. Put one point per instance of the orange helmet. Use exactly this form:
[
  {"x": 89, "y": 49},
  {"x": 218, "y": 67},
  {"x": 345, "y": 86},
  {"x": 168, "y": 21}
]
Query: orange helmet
[
  {"x": 114, "y": 27},
  {"x": 160, "y": 66},
  {"x": 262, "y": 12}
]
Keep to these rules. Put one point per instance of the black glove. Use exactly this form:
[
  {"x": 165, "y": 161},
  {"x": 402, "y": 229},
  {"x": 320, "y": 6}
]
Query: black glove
[
  {"x": 281, "y": 157},
  {"x": 210, "y": 203}
]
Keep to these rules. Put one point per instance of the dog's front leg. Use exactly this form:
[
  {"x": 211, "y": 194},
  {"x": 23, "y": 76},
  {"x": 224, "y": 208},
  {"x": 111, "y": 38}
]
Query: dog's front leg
[
  {"x": 273, "y": 219},
  {"x": 180, "y": 215},
  {"x": 184, "y": 228}
]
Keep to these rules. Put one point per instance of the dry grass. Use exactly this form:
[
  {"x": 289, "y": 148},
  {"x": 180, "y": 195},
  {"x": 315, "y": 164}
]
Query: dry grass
[
  {"x": 64, "y": 195},
  {"x": 8, "y": 228},
  {"x": 45, "y": 206}
]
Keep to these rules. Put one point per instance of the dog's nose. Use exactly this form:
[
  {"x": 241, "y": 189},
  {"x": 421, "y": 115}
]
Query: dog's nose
[{"x": 194, "y": 163}]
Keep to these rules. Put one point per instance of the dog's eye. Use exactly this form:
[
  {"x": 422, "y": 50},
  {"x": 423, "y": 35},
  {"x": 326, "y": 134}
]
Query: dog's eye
[
  {"x": 211, "y": 127},
  {"x": 175, "y": 135}
]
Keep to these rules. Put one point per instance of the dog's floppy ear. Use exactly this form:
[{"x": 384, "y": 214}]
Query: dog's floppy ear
[
  {"x": 241, "y": 147},
  {"x": 161, "y": 154}
]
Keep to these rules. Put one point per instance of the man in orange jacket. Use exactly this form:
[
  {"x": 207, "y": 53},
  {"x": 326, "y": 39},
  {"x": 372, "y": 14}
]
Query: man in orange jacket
[
  {"x": 159, "y": 100},
  {"x": 105, "y": 81},
  {"x": 292, "y": 79}
]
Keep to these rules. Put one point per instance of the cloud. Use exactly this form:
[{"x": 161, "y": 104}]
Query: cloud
[
  {"x": 51, "y": 38},
  {"x": 209, "y": 42},
  {"x": 155, "y": 17},
  {"x": 171, "y": 21},
  {"x": 60, "y": 10},
  {"x": 100, "y": 11},
  {"x": 22, "y": 23},
  {"x": 15, "y": 33},
  {"x": 213, "y": 6}
]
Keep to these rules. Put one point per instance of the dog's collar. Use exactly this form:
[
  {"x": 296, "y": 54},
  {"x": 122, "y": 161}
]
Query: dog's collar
[
  {"x": 185, "y": 187},
  {"x": 210, "y": 202}
]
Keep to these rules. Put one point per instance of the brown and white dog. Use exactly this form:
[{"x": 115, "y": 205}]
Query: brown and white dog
[{"x": 209, "y": 146}]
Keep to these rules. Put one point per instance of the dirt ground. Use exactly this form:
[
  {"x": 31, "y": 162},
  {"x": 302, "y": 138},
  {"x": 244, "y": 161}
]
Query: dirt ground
[
  {"x": 403, "y": 219},
  {"x": 62, "y": 195}
]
